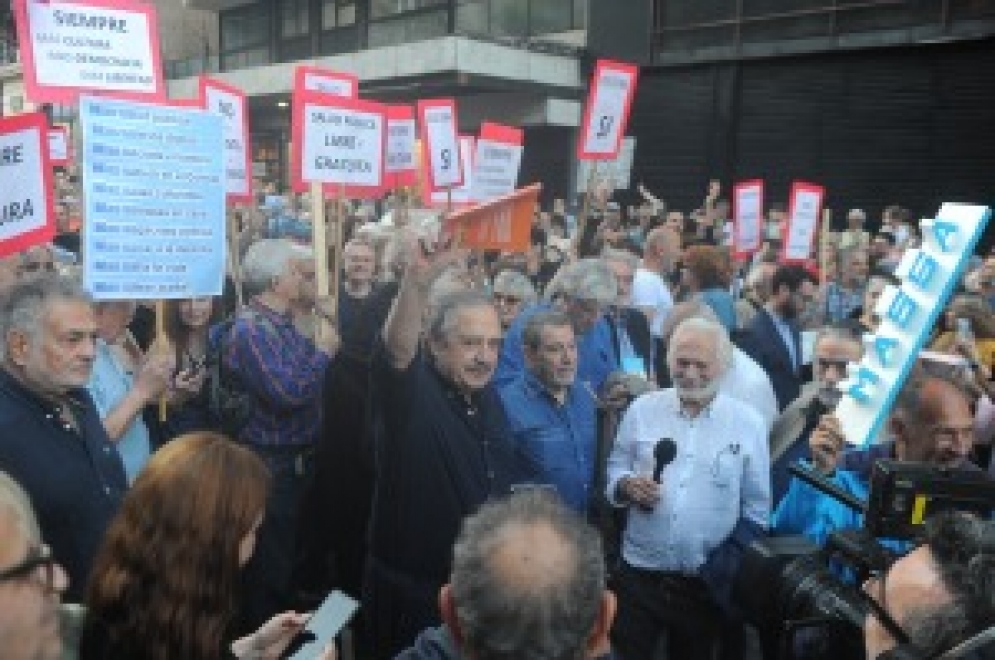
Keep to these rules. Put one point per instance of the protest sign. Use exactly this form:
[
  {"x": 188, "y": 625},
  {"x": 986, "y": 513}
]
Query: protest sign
[
  {"x": 58, "y": 146},
  {"x": 339, "y": 141},
  {"x": 461, "y": 195},
  {"x": 908, "y": 314},
  {"x": 613, "y": 86},
  {"x": 496, "y": 161},
  {"x": 804, "y": 209},
  {"x": 615, "y": 173},
  {"x": 98, "y": 45},
  {"x": 401, "y": 167},
  {"x": 440, "y": 144},
  {"x": 229, "y": 103},
  {"x": 27, "y": 207},
  {"x": 326, "y": 81},
  {"x": 502, "y": 224},
  {"x": 153, "y": 181},
  {"x": 747, "y": 217}
]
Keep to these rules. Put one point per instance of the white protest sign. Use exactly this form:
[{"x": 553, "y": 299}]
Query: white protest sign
[
  {"x": 69, "y": 47},
  {"x": 606, "y": 113},
  {"x": 803, "y": 222},
  {"x": 461, "y": 195},
  {"x": 229, "y": 103},
  {"x": 616, "y": 173},
  {"x": 26, "y": 192},
  {"x": 336, "y": 83},
  {"x": 747, "y": 217},
  {"x": 441, "y": 143},
  {"x": 58, "y": 146},
  {"x": 497, "y": 161},
  {"x": 908, "y": 314},
  {"x": 400, "y": 139},
  {"x": 153, "y": 182}
]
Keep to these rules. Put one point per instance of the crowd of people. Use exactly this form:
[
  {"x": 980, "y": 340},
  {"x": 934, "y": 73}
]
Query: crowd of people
[{"x": 555, "y": 454}]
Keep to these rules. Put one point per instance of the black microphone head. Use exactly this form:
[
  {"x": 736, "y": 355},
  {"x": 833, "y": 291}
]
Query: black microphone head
[{"x": 663, "y": 454}]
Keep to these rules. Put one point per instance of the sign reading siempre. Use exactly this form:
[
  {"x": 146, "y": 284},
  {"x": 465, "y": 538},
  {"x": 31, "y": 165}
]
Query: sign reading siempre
[
  {"x": 153, "y": 181},
  {"x": 229, "y": 103},
  {"x": 747, "y": 217},
  {"x": 105, "y": 45},
  {"x": 326, "y": 81},
  {"x": 338, "y": 141},
  {"x": 503, "y": 224},
  {"x": 440, "y": 143},
  {"x": 606, "y": 114},
  {"x": 58, "y": 146},
  {"x": 616, "y": 173},
  {"x": 804, "y": 210},
  {"x": 908, "y": 313},
  {"x": 497, "y": 161},
  {"x": 27, "y": 211},
  {"x": 401, "y": 167}
]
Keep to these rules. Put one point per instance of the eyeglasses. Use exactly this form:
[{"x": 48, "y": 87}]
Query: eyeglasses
[
  {"x": 501, "y": 299},
  {"x": 878, "y": 610},
  {"x": 823, "y": 364},
  {"x": 952, "y": 433},
  {"x": 35, "y": 266},
  {"x": 38, "y": 562}
]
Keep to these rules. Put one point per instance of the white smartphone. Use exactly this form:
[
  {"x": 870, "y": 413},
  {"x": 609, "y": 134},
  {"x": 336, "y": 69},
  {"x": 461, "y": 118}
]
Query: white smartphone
[{"x": 323, "y": 626}]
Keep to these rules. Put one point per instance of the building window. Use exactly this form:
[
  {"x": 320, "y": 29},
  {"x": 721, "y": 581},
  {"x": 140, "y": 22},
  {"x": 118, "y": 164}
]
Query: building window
[
  {"x": 417, "y": 27},
  {"x": 293, "y": 18},
  {"x": 245, "y": 37},
  {"x": 384, "y": 8},
  {"x": 520, "y": 18},
  {"x": 337, "y": 13}
]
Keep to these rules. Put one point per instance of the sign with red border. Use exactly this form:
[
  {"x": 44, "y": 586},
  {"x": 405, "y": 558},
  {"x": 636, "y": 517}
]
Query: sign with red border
[
  {"x": 747, "y": 217},
  {"x": 461, "y": 195},
  {"x": 107, "y": 46},
  {"x": 497, "y": 160},
  {"x": 804, "y": 211},
  {"x": 326, "y": 81},
  {"x": 59, "y": 149},
  {"x": 229, "y": 103},
  {"x": 440, "y": 144},
  {"x": 338, "y": 142},
  {"x": 402, "y": 166},
  {"x": 606, "y": 113},
  {"x": 27, "y": 203}
]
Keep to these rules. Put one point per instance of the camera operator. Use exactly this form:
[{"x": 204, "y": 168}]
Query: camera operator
[{"x": 937, "y": 596}]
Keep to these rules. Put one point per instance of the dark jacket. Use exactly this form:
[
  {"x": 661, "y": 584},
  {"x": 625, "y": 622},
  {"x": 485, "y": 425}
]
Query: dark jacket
[
  {"x": 438, "y": 644},
  {"x": 638, "y": 329},
  {"x": 762, "y": 342}
]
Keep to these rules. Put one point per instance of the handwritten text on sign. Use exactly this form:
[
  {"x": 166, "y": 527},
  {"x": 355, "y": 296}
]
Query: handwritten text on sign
[
  {"x": 400, "y": 144},
  {"x": 25, "y": 183},
  {"x": 803, "y": 221},
  {"x": 442, "y": 143},
  {"x": 229, "y": 104},
  {"x": 342, "y": 146},
  {"x": 607, "y": 111},
  {"x": 748, "y": 214},
  {"x": 497, "y": 161}
]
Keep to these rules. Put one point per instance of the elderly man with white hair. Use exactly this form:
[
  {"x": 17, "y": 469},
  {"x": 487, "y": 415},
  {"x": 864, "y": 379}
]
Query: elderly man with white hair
[
  {"x": 692, "y": 465},
  {"x": 512, "y": 292}
]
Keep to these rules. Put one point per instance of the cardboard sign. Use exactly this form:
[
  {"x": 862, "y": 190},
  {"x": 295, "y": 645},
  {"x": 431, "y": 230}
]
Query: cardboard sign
[
  {"x": 461, "y": 195},
  {"x": 27, "y": 205},
  {"x": 58, "y": 146},
  {"x": 229, "y": 103},
  {"x": 617, "y": 173},
  {"x": 326, "y": 81},
  {"x": 401, "y": 167},
  {"x": 502, "y": 224},
  {"x": 99, "y": 45},
  {"x": 496, "y": 162},
  {"x": 338, "y": 141},
  {"x": 440, "y": 143},
  {"x": 153, "y": 182},
  {"x": 747, "y": 217},
  {"x": 908, "y": 313},
  {"x": 606, "y": 114},
  {"x": 804, "y": 211}
]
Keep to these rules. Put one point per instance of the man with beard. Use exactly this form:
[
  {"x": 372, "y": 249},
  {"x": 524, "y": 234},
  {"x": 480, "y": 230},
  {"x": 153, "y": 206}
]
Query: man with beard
[
  {"x": 682, "y": 520},
  {"x": 773, "y": 337},
  {"x": 835, "y": 346}
]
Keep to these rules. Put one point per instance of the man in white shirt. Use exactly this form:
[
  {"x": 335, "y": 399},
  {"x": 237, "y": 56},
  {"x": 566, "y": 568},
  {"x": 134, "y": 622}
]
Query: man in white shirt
[
  {"x": 682, "y": 515},
  {"x": 650, "y": 293}
]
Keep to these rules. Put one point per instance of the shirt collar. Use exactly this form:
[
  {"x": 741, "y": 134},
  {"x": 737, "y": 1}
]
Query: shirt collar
[
  {"x": 537, "y": 389},
  {"x": 277, "y": 318},
  {"x": 10, "y": 383},
  {"x": 674, "y": 404}
]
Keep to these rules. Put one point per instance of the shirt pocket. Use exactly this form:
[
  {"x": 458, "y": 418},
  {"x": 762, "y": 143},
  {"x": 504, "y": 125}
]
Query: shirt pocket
[
  {"x": 726, "y": 467},
  {"x": 551, "y": 448}
]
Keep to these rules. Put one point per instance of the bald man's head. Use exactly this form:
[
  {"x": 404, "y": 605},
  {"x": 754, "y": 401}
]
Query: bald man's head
[{"x": 932, "y": 422}]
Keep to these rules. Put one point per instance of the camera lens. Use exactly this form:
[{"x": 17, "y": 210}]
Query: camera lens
[{"x": 809, "y": 589}]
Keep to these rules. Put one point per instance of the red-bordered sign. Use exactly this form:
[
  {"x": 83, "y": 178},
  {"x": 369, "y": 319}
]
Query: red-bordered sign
[
  {"x": 350, "y": 151},
  {"x": 402, "y": 165},
  {"x": 606, "y": 113},
  {"x": 496, "y": 161},
  {"x": 440, "y": 144},
  {"x": 462, "y": 195},
  {"x": 747, "y": 217},
  {"x": 90, "y": 46},
  {"x": 59, "y": 148},
  {"x": 27, "y": 197},
  {"x": 326, "y": 81},
  {"x": 230, "y": 103},
  {"x": 802, "y": 226}
]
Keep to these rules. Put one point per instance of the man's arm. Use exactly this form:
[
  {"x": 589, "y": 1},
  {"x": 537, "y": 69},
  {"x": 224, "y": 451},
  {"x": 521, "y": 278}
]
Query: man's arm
[
  {"x": 271, "y": 370},
  {"x": 151, "y": 381},
  {"x": 755, "y": 491}
]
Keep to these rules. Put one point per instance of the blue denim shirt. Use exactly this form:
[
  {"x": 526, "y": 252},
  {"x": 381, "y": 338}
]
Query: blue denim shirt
[{"x": 560, "y": 438}]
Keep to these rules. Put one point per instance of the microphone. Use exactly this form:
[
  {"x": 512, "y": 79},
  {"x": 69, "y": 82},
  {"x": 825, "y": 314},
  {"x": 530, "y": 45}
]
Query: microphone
[{"x": 663, "y": 455}]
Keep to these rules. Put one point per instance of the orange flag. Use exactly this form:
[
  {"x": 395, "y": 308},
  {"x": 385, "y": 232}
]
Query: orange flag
[{"x": 502, "y": 224}]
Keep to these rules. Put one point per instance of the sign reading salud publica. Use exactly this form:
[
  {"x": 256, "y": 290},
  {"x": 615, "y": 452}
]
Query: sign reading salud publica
[
  {"x": 153, "y": 181},
  {"x": 908, "y": 312},
  {"x": 26, "y": 194}
]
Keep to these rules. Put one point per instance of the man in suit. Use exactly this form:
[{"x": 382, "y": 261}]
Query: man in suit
[
  {"x": 630, "y": 329},
  {"x": 773, "y": 338}
]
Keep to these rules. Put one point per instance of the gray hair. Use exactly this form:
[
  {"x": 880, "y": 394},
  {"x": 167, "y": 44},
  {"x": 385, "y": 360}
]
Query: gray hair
[
  {"x": 620, "y": 256},
  {"x": 25, "y": 303},
  {"x": 265, "y": 261},
  {"x": 14, "y": 499},
  {"x": 699, "y": 324},
  {"x": 841, "y": 332},
  {"x": 512, "y": 283},
  {"x": 534, "y": 614},
  {"x": 448, "y": 306},
  {"x": 532, "y": 333},
  {"x": 586, "y": 279}
]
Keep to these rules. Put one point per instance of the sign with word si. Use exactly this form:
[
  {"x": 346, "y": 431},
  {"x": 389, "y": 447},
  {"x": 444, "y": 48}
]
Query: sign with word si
[
  {"x": 229, "y": 103},
  {"x": 27, "y": 206},
  {"x": 804, "y": 209},
  {"x": 338, "y": 141},
  {"x": 747, "y": 217},
  {"x": 401, "y": 167},
  {"x": 153, "y": 181},
  {"x": 616, "y": 173},
  {"x": 503, "y": 224},
  {"x": 461, "y": 195},
  {"x": 326, "y": 81},
  {"x": 496, "y": 161},
  {"x": 58, "y": 146},
  {"x": 606, "y": 114},
  {"x": 98, "y": 45},
  {"x": 440, "y": 143},
  {"x": 908, "y": 313}
]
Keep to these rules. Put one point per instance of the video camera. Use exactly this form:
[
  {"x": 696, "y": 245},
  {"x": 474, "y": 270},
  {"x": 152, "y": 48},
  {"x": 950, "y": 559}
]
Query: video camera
[{"x": 815, "y": 608}]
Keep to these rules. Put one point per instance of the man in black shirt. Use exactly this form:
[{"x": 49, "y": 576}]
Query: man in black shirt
[{"x": 442, "y": 445}]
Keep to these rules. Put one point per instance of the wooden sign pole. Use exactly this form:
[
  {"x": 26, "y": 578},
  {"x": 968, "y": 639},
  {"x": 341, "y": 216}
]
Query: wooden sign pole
[
  {"x": 585, "y": 209},
  {"x": 160, "y": 334},
  {"x": 319, "y": 243}
]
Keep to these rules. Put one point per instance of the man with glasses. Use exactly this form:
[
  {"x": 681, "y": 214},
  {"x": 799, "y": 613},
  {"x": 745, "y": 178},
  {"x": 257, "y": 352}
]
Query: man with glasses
[
  {"x": 511, "y": 292},
  {"x": 36, "y": 261}
]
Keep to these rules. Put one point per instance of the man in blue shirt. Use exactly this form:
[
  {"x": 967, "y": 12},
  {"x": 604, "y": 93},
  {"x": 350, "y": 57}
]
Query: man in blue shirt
[{"x": 552, "y": 416}]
